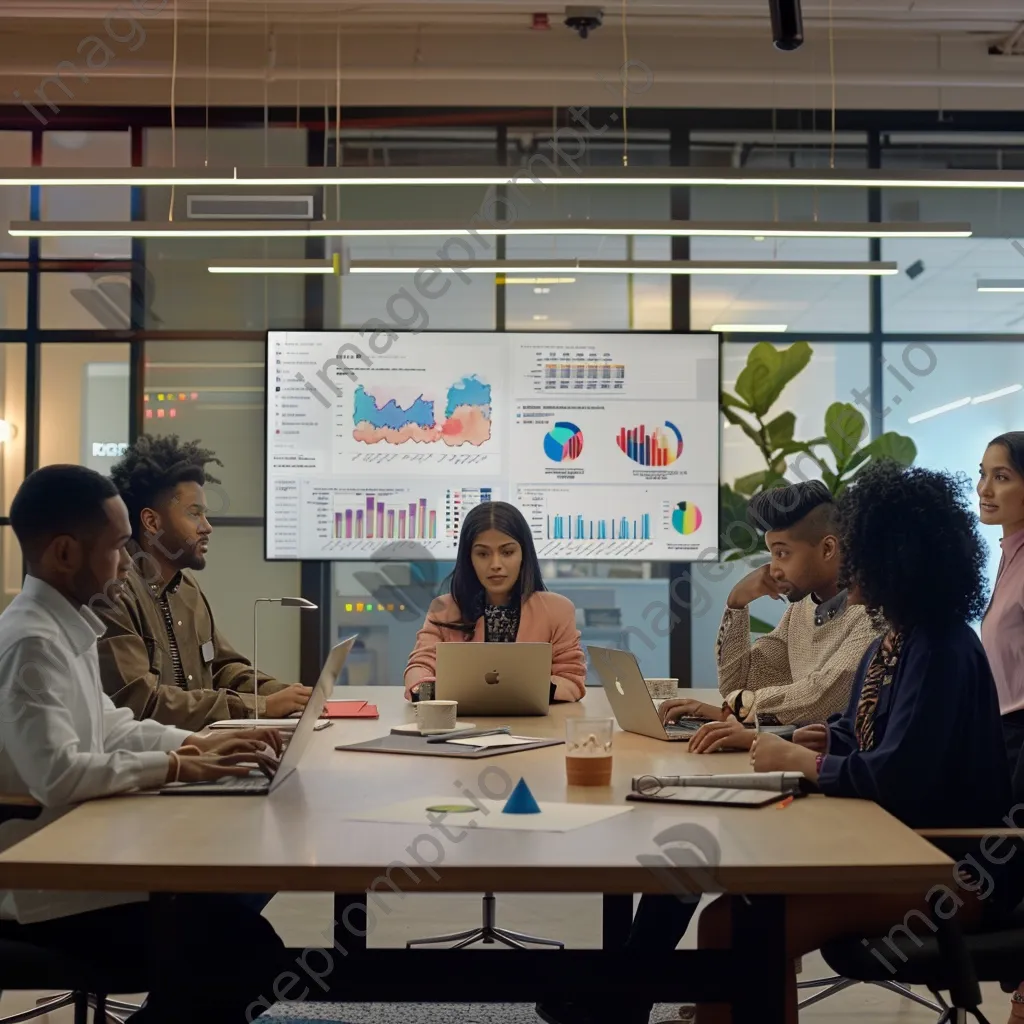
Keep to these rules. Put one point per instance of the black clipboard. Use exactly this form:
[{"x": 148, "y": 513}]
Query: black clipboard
[{"x": 711, "y": 796}]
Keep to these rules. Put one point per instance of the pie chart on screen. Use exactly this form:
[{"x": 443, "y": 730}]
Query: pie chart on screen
[
  {"x": 686, "y": 518},
  {"x": 563, "y": 442}
]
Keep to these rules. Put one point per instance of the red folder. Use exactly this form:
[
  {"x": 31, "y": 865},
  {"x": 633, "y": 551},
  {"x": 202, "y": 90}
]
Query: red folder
[{"x": 350, "y": 709}]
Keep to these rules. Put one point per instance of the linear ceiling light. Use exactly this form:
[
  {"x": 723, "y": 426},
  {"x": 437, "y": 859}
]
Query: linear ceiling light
[
  {"x": 1000, "y": 286},
  {"x": 749, "y": 328},
  {"x": 513, "y": 177},
  {"x": 686, "y": 267},
  {"x": 492, "y": 267},
  {"x": 540, "y": 280},
  {"x": 257, "y": 266},
  {"x": 364, "y": 229},
  {"x": 1001, "y": 393}
]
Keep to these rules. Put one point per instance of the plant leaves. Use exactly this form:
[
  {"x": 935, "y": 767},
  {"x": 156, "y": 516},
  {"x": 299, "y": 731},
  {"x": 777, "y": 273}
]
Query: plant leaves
[
  {"x": 759, "y": 625},
  {"x": 768, "y": 371},
  {"x": 891, "y": 445},
  {"x": 844, "y": 428},
  {"x": 746, "y": 485},
  {"x": 780, "y": 430},
  {"x": 731, "y": 401},
  {"x": 831, "y": 481},
  {"x": 740, "y": 422}
]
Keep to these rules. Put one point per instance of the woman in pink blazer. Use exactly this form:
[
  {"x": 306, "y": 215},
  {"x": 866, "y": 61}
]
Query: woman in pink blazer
[{"x": 496, "y": 595}]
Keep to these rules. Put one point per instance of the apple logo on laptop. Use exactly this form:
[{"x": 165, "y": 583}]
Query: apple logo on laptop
[
  {"x": 618, "y": 686},
  {"x": 491, "y": 678}
]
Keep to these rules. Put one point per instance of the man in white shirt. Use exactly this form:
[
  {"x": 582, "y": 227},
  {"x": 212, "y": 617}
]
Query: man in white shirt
[{"x": 62, "y": 741}]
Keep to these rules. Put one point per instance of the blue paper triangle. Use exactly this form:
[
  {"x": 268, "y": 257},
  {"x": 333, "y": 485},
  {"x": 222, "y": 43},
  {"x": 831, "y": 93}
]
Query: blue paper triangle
[{"x": 521, "y": 801}]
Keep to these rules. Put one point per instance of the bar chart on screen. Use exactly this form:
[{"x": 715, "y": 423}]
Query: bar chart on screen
[{"x": 365, "y": 517}]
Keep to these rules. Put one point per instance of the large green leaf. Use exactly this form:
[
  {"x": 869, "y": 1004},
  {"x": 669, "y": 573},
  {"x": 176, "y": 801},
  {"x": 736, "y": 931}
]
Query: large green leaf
[
  {"x": 768, "y": 371},
  {"x": 780, "y": 430},
  {"x": 759, "y": 625},
  {"x": 831, "y": 481},
  {"x": 844, "y": 428},
  {"x": 731, "y": 401},
  {"x": 891, "y": 445},
  {"x": 746, "y": 485}
]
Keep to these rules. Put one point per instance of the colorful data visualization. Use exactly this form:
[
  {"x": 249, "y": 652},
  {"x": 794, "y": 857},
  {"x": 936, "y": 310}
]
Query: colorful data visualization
[
  {"x": 563, "y": 442},
  {"x": 657, "y": 446},
  {"x": 379, "y": 445}
]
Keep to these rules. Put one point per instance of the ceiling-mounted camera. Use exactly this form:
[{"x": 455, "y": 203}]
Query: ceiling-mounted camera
[
  {"x": 787, "y": 24},
  {"x": 584, "y": 19}
]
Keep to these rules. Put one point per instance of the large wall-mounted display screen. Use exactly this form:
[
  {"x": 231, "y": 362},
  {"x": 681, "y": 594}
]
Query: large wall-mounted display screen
[{"x": 377, "y": 446}]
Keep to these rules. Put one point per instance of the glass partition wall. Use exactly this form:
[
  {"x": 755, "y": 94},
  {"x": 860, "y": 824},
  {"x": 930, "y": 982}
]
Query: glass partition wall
[{"x": 104, "y": 339}]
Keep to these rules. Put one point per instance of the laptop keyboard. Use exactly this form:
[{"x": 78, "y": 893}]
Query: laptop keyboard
[{"x": 245, "y": 783}]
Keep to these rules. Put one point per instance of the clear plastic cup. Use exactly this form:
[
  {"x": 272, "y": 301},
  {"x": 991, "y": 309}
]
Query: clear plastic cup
[{"x": 588, "y": 751}]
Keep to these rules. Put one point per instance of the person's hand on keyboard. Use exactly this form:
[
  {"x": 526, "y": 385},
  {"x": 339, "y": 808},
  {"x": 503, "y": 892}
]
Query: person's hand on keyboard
[
  {"x": 727, "y": 735},
  {"x": 237, "y": 741},
  {"x": 189, "y": 764}
]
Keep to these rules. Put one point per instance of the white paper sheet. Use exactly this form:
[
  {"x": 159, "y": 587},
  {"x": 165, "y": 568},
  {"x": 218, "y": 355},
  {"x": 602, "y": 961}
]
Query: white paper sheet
[
  {"x": 553, "y": 817},
  {"x": 498, "y": 740}
]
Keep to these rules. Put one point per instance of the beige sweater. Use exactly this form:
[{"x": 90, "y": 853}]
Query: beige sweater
[{"x": 800, "y": 672}]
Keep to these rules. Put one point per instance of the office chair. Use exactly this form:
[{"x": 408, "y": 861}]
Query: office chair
[
  {"x": 28, "y": 968},
  {"x": 948, "y": 960},
  {"x": 488, "y": 933}
]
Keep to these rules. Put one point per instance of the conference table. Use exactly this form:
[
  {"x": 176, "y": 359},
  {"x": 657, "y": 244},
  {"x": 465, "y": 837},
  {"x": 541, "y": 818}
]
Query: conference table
[{"x": 305, "y": 837}]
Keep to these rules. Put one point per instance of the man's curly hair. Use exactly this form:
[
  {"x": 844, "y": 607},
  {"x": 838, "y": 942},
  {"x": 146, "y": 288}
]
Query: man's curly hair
[
  {"x": 153, "y": 466},
  {"x": 909, "y": 541}
]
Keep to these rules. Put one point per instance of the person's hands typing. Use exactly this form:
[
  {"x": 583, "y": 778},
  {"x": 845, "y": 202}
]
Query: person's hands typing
[
  {"x": 727, "y": 735},
  {"x": 189, "y": 764},
  {"x": 672, "y": 710},
  {"x": 237, "y": 741}
]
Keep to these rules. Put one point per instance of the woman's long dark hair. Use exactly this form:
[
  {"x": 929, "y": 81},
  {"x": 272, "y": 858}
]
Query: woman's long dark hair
[
  {"x": 466, "y": 590},
  {"x": 1013, "y": 442}
]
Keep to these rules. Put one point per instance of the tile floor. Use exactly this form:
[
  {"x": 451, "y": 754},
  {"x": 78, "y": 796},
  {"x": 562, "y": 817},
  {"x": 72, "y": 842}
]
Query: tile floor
[{"x": 302, "y": 919}]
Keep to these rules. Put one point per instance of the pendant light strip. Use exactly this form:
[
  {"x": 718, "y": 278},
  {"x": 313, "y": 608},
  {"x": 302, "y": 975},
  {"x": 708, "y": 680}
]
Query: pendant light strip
[
  {"x": 512, "y": 177},
  {"x": 573, "y": 267},
  {"x": 438, "y": 229}
]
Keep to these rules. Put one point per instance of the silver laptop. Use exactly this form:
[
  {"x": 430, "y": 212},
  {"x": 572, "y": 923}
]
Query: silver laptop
[
  {"x": 631, "y": 702},
  {"x": 511, "y": 680},
  {"x": 259, "y": 785}
]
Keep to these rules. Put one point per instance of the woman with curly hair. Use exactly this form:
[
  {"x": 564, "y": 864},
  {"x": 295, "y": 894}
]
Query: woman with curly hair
[{"x": 913, "y": 557}]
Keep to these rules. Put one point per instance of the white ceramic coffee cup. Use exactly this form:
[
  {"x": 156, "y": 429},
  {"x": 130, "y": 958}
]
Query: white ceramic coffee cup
[
  {"x": 662, "y": 689},
  {"x": 437, "y": 714}
]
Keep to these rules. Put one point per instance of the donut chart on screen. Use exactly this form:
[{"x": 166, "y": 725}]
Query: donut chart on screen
[
  {"x": 686, "y": 518},
  {"x": 563, "y": 442}
]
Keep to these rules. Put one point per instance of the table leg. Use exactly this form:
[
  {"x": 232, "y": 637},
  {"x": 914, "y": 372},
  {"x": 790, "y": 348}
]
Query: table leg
[
  {"x": 616, "y": 920},
  {"x": 759, "y": 951},
  {"x": 351, "y": 918}
]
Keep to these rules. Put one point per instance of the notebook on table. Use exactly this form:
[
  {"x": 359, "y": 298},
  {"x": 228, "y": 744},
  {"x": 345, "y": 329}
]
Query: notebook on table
[{"x": 744, "y": 790}]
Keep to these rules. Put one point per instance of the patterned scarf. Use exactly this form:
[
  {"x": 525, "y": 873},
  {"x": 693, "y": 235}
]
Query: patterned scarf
[{"x": 880, "y": 673}]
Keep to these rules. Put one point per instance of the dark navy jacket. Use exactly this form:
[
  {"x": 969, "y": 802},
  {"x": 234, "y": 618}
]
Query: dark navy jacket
[{"x": 939, "y": 758}]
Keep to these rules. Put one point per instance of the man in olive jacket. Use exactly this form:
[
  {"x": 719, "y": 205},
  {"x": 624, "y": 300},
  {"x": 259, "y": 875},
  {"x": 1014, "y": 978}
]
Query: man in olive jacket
[{"x": 162, "y": 655}]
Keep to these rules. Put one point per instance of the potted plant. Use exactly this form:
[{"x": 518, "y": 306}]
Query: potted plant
[{"x": 838, "y": 454}]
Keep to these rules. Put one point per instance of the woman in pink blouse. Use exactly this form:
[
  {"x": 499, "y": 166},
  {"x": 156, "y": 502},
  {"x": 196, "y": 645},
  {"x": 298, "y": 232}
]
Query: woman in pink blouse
[
  {"x": 1001, "y": 503},
  {"x": 496, "y": 595}
]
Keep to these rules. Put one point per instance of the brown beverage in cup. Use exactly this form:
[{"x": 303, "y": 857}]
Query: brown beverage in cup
[
  {"x": 588, "y": 770},
  {"x": 588, "y": 751}
]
